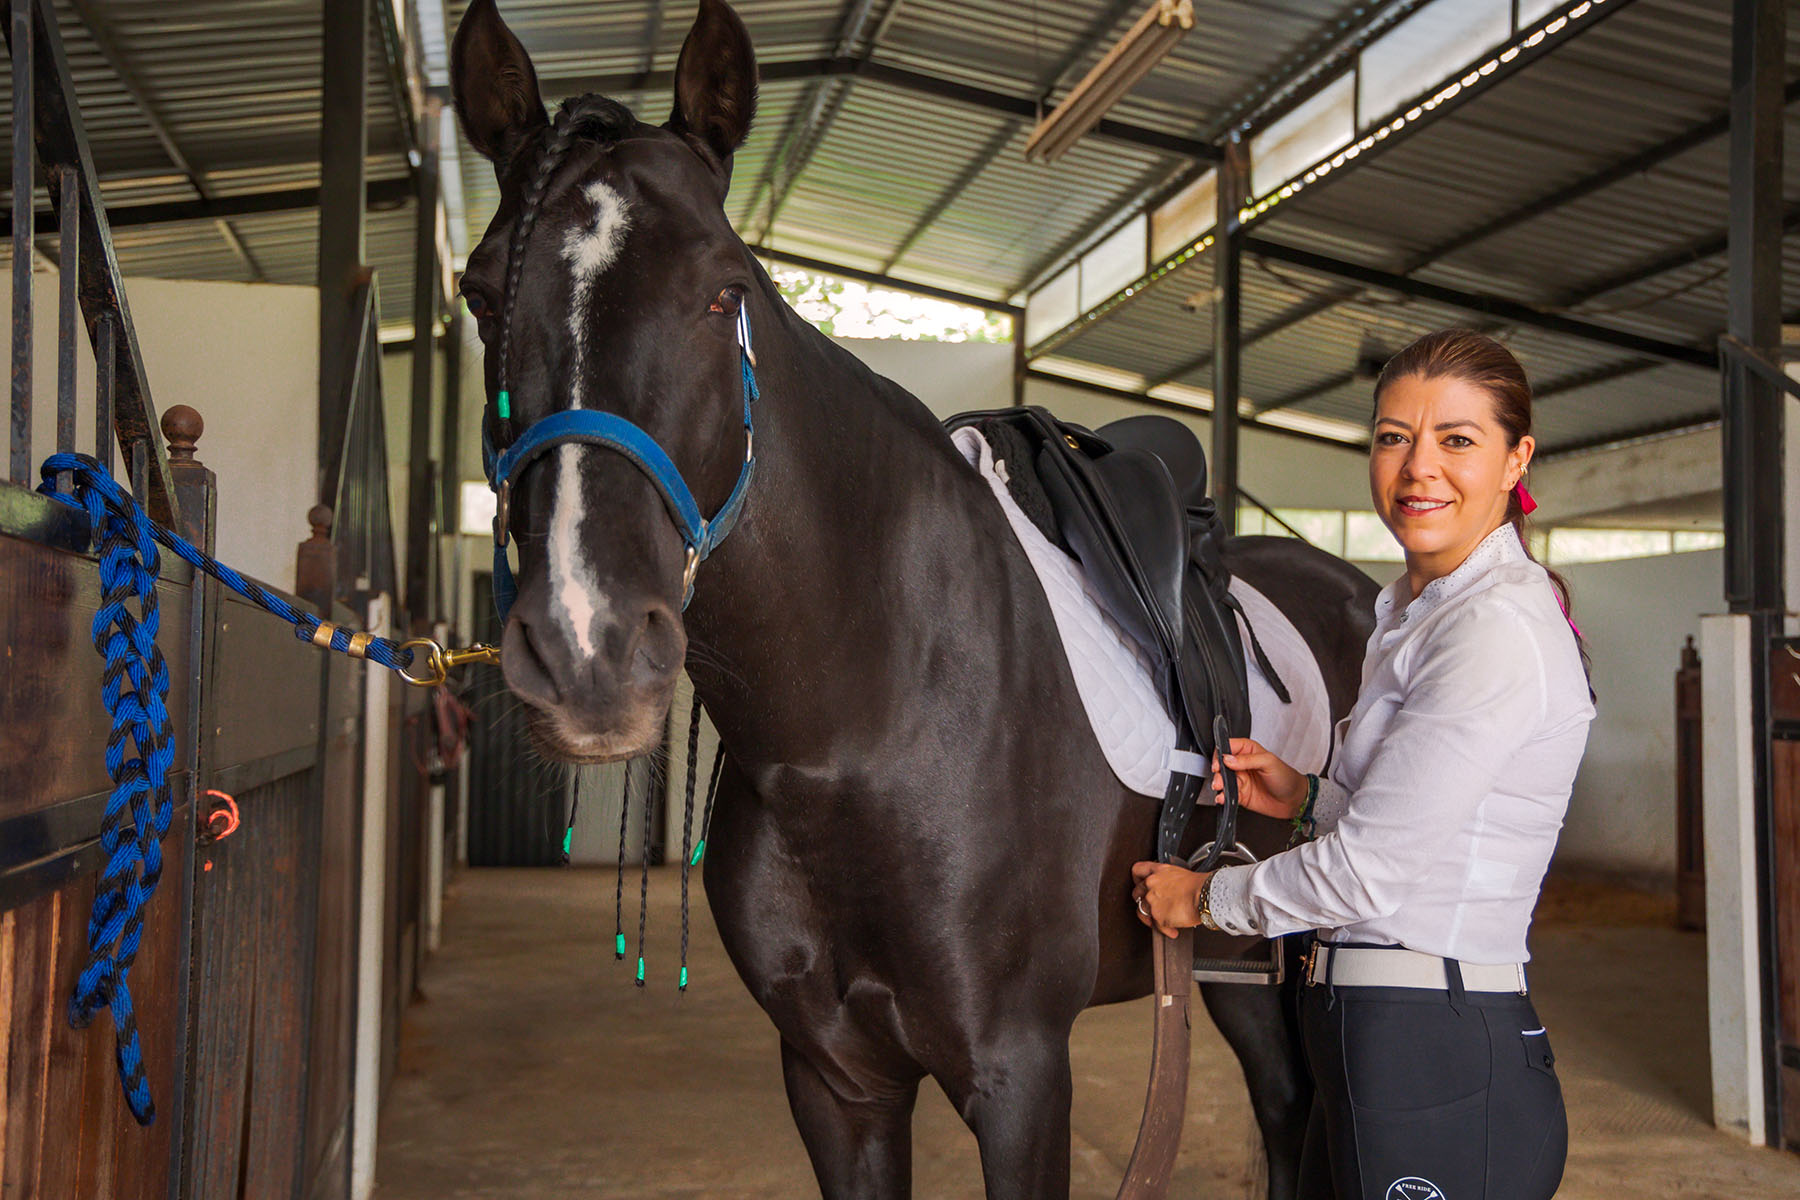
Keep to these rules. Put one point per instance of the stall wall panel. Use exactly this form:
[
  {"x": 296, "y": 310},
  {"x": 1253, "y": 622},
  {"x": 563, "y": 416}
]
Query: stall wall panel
[{"x": 1636, "y": 615}]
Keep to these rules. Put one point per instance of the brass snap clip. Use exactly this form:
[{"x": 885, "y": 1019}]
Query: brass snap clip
[{"x": 439, "y": 662}]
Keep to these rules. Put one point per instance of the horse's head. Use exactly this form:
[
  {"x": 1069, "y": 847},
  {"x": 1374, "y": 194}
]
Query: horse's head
[{"x": 610, "y": 281}]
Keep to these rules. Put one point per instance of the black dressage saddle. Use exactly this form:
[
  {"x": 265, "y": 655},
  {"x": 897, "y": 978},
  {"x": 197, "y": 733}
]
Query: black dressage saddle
[{"x": 1129, "y": 501}]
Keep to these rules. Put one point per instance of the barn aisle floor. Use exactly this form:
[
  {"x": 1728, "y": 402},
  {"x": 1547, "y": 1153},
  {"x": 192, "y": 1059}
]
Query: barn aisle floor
[{"x": 532, "y": 1068}]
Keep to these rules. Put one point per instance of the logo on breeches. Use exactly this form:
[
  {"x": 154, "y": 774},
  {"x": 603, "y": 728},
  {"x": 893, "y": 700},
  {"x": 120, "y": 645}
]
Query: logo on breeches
[{"x": 1414, "y": 1188}]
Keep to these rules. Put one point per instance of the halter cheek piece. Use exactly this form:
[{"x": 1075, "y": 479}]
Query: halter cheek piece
[{"x": 587, "y": 427}]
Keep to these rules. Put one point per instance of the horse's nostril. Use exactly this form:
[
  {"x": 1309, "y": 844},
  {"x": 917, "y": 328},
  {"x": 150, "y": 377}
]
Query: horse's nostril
[
  {"x": 659, "y": 646},
  {"x": 523, "y": 665}
]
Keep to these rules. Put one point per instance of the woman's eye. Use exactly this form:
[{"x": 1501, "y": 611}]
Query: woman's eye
[
  {"x": 729, "y": 301},
  {"x": 1388, "y": 439},
  {"x": 1457, "y": 441},
  {"x": 478, "y": 305}
]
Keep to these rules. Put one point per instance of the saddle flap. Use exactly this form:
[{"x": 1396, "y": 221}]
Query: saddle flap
[{"x": 1120, "y": 516}]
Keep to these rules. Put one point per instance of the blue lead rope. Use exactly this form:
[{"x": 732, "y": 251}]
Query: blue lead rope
[{"x": 140, "y": 809}]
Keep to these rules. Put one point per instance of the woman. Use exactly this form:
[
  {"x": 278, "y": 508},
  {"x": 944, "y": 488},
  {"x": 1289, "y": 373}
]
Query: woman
[{"x": 1432, "y": 831}]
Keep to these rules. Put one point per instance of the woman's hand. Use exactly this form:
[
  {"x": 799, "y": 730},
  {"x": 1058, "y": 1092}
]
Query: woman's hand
[
  {"x": 1265, "y": 784},
  {"x": 1167, "y": 896}
]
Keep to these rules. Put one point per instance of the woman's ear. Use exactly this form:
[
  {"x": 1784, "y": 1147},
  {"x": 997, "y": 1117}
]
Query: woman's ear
[
  {"x": 715, "y": 83},
  {"x": 494, "y": 84},
  {"x": 1520, "y": 456}
]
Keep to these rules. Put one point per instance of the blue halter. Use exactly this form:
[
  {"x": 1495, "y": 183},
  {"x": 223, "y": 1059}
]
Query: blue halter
[{"x": 587, "y": 427}]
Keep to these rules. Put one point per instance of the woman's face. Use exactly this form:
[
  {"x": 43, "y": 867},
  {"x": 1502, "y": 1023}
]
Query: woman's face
[{"x": 1439, "y": 467}]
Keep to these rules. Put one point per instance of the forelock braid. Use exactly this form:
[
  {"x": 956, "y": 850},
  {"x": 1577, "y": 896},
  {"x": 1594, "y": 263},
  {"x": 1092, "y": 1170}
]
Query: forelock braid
[{"x": 556, "y": 147}]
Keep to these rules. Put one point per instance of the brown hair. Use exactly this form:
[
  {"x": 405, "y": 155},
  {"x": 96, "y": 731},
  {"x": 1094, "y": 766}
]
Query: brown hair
[{"x": 1479, "y": 360}]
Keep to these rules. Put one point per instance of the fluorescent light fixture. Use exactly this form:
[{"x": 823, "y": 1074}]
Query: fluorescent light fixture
[{"x": 1142, "y": 47}]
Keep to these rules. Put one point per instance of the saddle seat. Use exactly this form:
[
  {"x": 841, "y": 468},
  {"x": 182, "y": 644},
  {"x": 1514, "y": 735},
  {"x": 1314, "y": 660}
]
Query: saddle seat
[{"x": 1128, "y": 501}]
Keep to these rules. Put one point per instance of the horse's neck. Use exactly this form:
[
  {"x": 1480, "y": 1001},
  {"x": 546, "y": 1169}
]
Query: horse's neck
[{"x": 808, "y": 623}]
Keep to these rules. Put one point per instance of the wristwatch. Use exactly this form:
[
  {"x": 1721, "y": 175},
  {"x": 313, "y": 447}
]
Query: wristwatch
[{"x": 1204, "y": 902}]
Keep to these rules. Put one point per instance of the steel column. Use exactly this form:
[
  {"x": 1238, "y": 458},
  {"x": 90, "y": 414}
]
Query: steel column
[
  {"x": 419, "y": 592},
  {"x": 1752, "y": 406},
  {"x": 24, "y": 164},
  {"x": 1228, "y": 317},
  {"x": 343, "y": 143}
]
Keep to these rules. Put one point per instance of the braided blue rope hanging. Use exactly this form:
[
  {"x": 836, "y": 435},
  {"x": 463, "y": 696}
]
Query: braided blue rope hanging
[{"x": 140, "y": 809}]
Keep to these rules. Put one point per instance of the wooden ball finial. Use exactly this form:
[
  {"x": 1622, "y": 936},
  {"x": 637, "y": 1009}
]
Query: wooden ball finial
[
  {"x": 181, "y": 428},
  {"x": 319, "y": 517}
]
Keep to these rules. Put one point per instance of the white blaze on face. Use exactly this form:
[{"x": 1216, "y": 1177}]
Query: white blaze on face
[{"x": 589, "y": 250}]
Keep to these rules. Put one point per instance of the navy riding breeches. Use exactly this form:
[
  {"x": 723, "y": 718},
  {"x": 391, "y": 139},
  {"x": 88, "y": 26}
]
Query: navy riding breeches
[{"x": 1430, "y": 1095}]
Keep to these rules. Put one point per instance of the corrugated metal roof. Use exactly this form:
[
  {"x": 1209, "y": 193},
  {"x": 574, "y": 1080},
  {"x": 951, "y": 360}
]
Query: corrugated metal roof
[{"x": 936, "y": 190}]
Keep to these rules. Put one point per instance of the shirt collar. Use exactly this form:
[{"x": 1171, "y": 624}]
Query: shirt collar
[{"x": 1498, "y": 548}]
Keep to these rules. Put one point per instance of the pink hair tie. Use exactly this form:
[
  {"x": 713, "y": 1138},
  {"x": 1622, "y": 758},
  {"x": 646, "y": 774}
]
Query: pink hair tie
[{"x": 1526, "y": 504}]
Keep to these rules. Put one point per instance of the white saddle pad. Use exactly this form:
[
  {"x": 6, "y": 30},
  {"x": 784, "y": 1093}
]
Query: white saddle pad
[{"x": 1112, "y": 672}]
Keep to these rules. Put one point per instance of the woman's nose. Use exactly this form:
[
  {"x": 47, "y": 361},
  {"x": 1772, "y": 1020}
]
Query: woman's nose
[{"x": 1421, "y": 463}]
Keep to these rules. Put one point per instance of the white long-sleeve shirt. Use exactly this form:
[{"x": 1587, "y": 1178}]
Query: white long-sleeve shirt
[{"x": 1451, "y": 776}]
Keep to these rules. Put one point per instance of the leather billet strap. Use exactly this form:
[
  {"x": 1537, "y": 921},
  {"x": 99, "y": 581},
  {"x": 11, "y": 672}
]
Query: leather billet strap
[
  {"x": 1152, "y": 1164},
  {"x": 579, "y": 426}
]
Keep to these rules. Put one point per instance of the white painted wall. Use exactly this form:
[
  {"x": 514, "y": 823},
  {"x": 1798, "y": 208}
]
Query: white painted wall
[
  {"x": 246, "y": 357},
  {"x": 1635, "y": 615}
]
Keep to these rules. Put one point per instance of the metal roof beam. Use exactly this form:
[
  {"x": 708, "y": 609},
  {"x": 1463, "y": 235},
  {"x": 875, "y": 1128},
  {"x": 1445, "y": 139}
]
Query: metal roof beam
[
  {"x": 381, "y": 195},
  {"x": 1429, "y": 106},
  {"x": 883, "y": 280},
  {"x": 1604, "y": 178},
  {"x": 1047, "y": 83},
  {"x": 953, "y": 90},
  {"x": 951, "y": 194},
  {"x": 805, "y": 133},
  {"x": 1190, "y": 410},
  {"x": 1698, "y": 250},
  {"x": 1510, "y": 311},
  {"x": 101, "y": 35}
]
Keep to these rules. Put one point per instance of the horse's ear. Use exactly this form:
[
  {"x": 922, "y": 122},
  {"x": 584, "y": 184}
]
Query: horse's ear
[
  {"x": 715, "y": 82},
  {"x": 494, "y": 85}
]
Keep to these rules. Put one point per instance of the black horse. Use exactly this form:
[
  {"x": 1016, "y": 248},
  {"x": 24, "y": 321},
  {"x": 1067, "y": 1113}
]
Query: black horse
[{"x": 919, "y": 861}]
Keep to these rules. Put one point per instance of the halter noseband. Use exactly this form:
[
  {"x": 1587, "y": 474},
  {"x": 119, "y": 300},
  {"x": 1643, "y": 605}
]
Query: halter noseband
[{"x": 588, "y": 427}]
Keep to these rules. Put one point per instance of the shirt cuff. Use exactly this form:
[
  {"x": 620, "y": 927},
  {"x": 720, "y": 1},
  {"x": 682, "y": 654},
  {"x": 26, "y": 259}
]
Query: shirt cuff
[
  {"x": 1332, "y": 802},
  {"x": 1229, "y": 901}
]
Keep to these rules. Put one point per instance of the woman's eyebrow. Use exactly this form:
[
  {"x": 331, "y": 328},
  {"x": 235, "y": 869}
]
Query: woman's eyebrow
[{"x": 1439, "y": 428}]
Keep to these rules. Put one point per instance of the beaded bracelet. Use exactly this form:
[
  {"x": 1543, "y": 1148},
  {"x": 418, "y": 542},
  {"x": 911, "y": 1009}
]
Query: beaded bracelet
[{"x": 1304, "y": 825}]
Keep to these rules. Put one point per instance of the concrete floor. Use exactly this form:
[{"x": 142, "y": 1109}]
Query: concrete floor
[{"x": 533, "y": 1068}]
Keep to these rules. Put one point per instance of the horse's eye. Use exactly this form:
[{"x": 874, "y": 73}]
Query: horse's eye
[
  {"x": 478, "y": 304},
  {"x": 729, "y": 301}
]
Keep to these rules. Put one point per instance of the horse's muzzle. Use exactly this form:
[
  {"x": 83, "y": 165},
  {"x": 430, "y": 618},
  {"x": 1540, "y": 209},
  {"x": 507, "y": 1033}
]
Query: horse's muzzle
[{"x": 601, "y": 696}]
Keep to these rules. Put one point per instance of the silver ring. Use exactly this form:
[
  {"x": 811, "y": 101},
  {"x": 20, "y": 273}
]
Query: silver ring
[{"x": 1141, "y": 909}]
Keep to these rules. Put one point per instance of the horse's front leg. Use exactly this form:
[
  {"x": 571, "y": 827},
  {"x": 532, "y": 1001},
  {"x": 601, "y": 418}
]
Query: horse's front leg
[
  {"x": 859, "y": 1138},
  {"x": 1016, "y": 1100}
]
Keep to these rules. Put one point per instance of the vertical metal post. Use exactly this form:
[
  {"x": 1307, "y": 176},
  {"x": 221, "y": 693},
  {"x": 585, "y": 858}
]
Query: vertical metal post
[
  {"x": 1753, "y": 442},
  {"x": 419, "y": 592},
  {"x": 1228, "y": 309},
  {"x": 450, "y": 462},
  {"x": 106, "y": 378},
  {"x": 68, "y": 304},
  {"x": 1752, "y": 405},
  {"x": 1021, "y": 364},
  {"x": 343, "y": 141},
  {"x": 24, "y": 164}
]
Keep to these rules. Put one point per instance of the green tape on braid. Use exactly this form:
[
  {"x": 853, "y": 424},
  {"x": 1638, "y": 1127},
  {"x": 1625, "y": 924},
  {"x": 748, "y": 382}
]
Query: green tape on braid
[
  {"x": 699, "y": 851},
  {"x": 619, "y": 947},
  {"x": 503, "y": 405},
  {"x": 684, "y": 979},
  {"x": 640, "y": 977}
]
